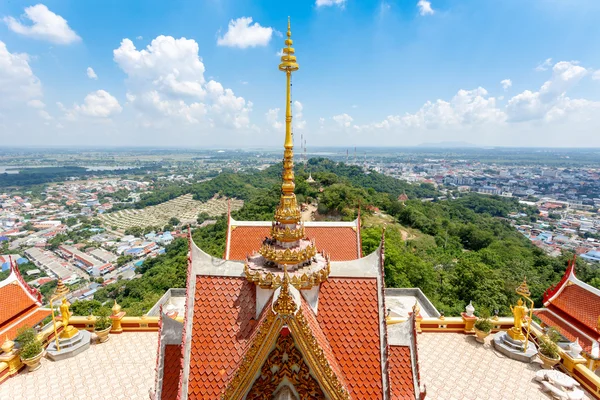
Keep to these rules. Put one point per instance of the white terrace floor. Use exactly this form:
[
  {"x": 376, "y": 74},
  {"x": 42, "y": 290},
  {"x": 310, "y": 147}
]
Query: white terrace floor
[
  {"x": 122, "y": 368},
  {"x": 455, "y": 367}
]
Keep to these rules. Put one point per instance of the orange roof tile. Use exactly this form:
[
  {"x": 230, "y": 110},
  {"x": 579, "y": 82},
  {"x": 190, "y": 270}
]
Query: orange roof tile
[
  {"x": 14, "y": 301},
  {"x": 171, "y": 371},
  {"x": 340, "y": 242},
  {"x": 564, "y": 328},
  {"x": 318, "y": 333},
  {"x": 348, "y": 315},
  {"x": 30, "y": 318},
  {"x": 580, "y": 304},
  {"x": 401, "y": 374},
  {"x": 223, "y": 309}
]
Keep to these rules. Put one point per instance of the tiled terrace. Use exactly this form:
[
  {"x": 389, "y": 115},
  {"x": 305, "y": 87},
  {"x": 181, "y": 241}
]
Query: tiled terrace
[
  {"x": 122, "y": 368},
  {"x": 454, "y": 366}
]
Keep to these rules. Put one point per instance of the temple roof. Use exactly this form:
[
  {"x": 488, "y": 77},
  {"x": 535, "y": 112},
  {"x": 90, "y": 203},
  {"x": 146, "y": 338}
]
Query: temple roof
[
  {"x": 341, "y": 240},
  {"x": 222, "y": 323},
  {"x": 573, "y": 308},
  {"x": 20, "y": 304}
]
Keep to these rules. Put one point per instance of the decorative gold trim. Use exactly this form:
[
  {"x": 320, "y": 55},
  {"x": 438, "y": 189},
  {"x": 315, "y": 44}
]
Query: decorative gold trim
[
  {"x": 271, "y": 280},
  {"x": 287, "y": 256},
  {"x": 285, "y": 361},
  {"x": 262, "y": 344},
  {"x": 285, "y": 304},
  {"x": 284, "y": 234}
]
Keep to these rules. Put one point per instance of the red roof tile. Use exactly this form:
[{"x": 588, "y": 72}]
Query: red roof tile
[
  {"x": 400, "y": 372},
  {"x": 348, "y": 315},
  {"x": 579, "y": 303},
  {"x": 340, "y": 242},
  {"x": 223, "y": 308},
  {"x": 564, "y": 328},
  {"x": 14, "y": 301},
  {"x": 318, "y": 333},
  {"x": 30, "y": 318},
  {"x": 171, "y": 371}
]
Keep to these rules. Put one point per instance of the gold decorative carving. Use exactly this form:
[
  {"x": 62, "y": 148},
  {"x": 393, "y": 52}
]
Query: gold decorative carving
[
  {"x": 285, "y": 361},
  {"x": 284, "y": 234},
  {"x": 288, "y": 211},
  {"x": 287, "y": 256},
  {"x": 271, "y": 280},
  {"x": 285, "y": 304}
]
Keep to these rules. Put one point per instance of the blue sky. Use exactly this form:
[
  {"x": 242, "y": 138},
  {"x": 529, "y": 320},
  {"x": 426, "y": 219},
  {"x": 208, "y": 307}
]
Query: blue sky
[{"x": 199, "y": 73}]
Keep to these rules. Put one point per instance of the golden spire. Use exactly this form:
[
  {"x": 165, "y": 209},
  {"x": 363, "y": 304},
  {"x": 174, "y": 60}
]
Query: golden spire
[{"x": 288, "y": 211}]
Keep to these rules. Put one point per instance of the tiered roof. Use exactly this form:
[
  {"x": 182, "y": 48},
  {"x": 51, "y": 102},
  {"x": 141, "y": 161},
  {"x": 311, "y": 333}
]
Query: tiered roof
[
  {"x": 573, "y": 308},
  {"x": 20, "y": 304}
]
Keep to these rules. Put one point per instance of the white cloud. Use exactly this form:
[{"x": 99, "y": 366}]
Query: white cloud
[
  {"x": 530, "y": 105},
  {"x": 17, "y": 81},
  {"x": 343, "y": 120},
  {"x": 506, "y": 83},
  {"x": 35, "y": 103},
  {"x": 44, "y": 115},
  {"x": 543, "y": 66},
  {"x": 596, "y": 75},
  {"x": 298, "y": 117},
  {"x": 425, "y": 7},
  {"x": 240, "y": 33},
  {"x": 467, "y": 107},
  {"x": 326, "y": 3},
  {"x": 45, "y": 26},
  {"x": 273, "y": 118},
  {"x": 140, "y": 38},
  {"x": 100, "y": 104},
  {"x": 166, "y": 81},
  {"x": 91, "y": 74}
]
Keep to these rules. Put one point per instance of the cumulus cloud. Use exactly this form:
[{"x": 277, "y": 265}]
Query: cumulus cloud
[
  {"x": 273, "y": 118},
  {"x": 35, "y": 103},
  {"x": 530, "y": 105},
  {"x": 327, "y": 3},
  {"x": 44, "y": 115},
  {"x": 17, "y": 82},
  {"x": 506, "y": 83},
  {"x": 91, "y": 74},
  {"x": 166, "y": 80},
  {"x": 242, "y": 33},
  {"x": 45, "y": 25},
  {"x": 98, "y": 104},
  {"x": 299, "y": 122},
  {"x": 467, "y": 107},
  {"x": 596, "y": 75},
  {"x": 343, "y": 120},
  {"x": 424, "y": 7},
  {"x": 543, "y": 66}
]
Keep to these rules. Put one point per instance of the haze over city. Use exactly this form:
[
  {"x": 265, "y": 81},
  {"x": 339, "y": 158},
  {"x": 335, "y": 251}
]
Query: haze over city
[{"x": 393, "y": 73}]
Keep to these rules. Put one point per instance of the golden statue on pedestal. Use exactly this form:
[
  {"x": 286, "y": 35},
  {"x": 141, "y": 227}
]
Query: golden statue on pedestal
[
  {"x": 519, "y": 312},
  {"x": 68, "y": 330}
]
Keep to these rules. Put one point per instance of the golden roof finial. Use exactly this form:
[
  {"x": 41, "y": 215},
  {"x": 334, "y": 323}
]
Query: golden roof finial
[{"x": 288, "y": 211}]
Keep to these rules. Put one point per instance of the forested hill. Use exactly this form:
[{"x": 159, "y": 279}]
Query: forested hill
[
  {"x": 454, "y": 250},
  {"x": 248, "y": 184}
]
